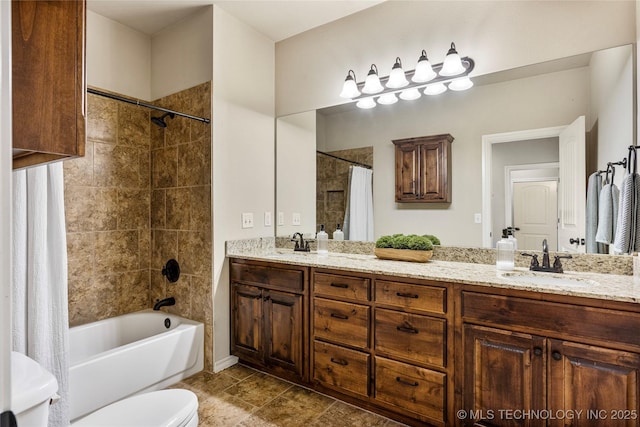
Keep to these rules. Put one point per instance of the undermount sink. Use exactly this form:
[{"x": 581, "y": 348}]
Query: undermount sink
[{"x": 549, "y": 279}]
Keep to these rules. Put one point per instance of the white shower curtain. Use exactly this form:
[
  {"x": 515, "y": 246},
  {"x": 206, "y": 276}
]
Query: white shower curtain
[
  {"x": 40, "y": 308},
  {"x": 359, "y": 213}
]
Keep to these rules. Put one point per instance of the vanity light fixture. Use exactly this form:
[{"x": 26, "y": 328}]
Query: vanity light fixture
[
  {"x": 372, "y": 82},
  {"x": 409, "y": 85}
]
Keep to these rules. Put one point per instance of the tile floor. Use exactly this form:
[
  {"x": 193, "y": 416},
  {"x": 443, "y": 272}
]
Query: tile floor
[{"x": 241, "y": 396}]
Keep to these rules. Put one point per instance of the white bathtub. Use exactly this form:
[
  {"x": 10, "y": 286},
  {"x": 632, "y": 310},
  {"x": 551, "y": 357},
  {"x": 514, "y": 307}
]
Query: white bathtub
[{"x": 115, "y": 358}]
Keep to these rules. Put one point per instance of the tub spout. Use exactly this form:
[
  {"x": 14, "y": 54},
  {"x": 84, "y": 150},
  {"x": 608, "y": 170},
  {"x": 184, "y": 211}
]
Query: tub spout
[{"x": 164, "y": 302}]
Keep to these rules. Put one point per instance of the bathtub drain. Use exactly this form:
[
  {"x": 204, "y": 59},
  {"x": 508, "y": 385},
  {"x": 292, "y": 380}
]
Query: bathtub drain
[{"x": 167, "y": 323}]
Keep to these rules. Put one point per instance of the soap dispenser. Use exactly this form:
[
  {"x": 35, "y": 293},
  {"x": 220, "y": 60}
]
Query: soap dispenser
[
  {"x": 322, "y": 238},
  {"x": 505, "y": 252},
  {"x": 511, "y": 235},
  {"x": 338, "y": 234}
]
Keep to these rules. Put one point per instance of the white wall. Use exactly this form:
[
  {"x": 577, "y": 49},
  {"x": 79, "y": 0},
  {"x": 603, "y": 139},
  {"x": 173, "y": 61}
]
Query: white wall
[
  {"x": 498, "y": 35},
  {"x": 243, "y": 149},
  {"x": 548, "y": 100},
  {"x": 182, "y": 54},
  {"x": 612, "y": 105},
  {"x": 118, "y": 58},
  {"x": 296, "y": 135}
]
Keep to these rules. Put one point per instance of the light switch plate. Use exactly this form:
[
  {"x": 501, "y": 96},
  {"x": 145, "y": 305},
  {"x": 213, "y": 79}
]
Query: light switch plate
[
  {"x": 295, "y": 219},
  {"x": 477, "y": 218},
  {"x": 267, "y": 219},
  {"x": 247, "y": 220},
  {"x": 280, "y": 218}
]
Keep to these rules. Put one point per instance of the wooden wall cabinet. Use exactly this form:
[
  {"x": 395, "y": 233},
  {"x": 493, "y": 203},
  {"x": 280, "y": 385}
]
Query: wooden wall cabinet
[
  {"x": 269, "y": 320},
  {"x": 547, "y": 369},
  {"x": 423, "y": 169},
  {"x": 48, "y": 80}
]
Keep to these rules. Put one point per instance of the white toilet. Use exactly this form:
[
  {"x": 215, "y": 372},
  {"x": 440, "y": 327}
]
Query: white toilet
[
  {"x": 163, "y": 408},
  {"x": 33, "y": 388}
]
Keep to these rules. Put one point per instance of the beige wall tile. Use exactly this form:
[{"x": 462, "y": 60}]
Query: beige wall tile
[
  {"x": 102, "y": 119},
  {"x": 178, "y": 208},
  {"x": 116, "y": 252},
  {"x": 79, "y": 203},
  {"x": 79, "y": 171},
  {"x": 164, "y": 246},
  {"x": 164, "y": 167},
  {"x": 194, "y": 252},
  {"x": 133, "y": 208},
  {"x": 193, "y": 163},
  {"x": 133, "y": 125},
  {"x": 178, "y": 130},
  {"x": 158, "y": 208},
  {"x": 104, "y": 215}
]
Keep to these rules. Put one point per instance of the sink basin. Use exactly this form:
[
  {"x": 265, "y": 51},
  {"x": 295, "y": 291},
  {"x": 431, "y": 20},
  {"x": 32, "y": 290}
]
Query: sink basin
[{"x": 548, "y": 279}]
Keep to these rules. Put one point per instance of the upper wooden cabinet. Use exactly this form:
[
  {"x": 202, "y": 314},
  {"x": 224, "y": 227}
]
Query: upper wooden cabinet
[
  {"x": 48, "y": 80},
  {"x": 423, "y": 169}
]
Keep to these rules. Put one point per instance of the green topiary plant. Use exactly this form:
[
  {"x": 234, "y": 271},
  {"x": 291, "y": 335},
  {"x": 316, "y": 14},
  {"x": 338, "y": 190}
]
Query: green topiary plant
[
  {"x": 433, "y": 239},
  {"x": 400, "y": 241}
]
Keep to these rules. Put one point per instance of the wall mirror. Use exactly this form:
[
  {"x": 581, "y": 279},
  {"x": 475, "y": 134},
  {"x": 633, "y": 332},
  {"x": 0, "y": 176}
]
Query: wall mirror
[{"x": 551, "y": 95}]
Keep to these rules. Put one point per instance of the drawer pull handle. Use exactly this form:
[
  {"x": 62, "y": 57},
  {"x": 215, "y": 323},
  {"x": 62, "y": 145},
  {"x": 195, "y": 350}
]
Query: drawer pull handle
[
  {"x": 339, "y": 316},
  {"x": 341, "y": 362},
  {"x": 340, "y": 285},
  {"x": 407, "y": 295},
  {"x": 407, "y": 330},
  {"x": 405, "y": 382},
  {"x": 248, "y": 295}
]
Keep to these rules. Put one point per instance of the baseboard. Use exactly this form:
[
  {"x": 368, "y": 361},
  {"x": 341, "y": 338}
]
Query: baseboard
[{"x": 225, "y": 363}]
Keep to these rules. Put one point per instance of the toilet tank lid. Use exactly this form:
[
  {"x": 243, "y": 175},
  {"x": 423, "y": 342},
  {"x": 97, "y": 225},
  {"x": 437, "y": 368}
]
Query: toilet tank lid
[
  {"x": 31, "y": 384},
  {"x": 163, "y": 408}
]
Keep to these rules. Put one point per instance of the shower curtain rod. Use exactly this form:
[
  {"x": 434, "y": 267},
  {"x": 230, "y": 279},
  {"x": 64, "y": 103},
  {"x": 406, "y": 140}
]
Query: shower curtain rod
[
  {"x": 344, "y": 160},
  {"x": 142, "y": 104}
]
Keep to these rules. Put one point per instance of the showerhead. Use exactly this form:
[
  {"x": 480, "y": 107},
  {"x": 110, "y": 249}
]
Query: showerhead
[{"x": 160, "y": 120}]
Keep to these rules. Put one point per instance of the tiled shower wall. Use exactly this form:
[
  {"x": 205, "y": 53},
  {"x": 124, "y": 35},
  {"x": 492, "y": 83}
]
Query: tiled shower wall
[
  {"x": 139, "y": 197},
  {"x": 332, "y": 184}
]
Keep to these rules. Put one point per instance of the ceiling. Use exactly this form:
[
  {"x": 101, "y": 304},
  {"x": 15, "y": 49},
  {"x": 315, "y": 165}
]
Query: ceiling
[{"x": 277, "y": 20}]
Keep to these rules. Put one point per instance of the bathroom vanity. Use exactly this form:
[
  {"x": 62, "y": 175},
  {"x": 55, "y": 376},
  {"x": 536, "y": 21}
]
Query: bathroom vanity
[{"x": 442, "y": 343}]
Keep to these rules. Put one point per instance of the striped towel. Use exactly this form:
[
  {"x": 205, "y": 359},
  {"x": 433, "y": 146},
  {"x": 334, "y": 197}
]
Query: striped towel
[
  {"x": 627, "y": 238},
  {"x": 607, "y": 213}
]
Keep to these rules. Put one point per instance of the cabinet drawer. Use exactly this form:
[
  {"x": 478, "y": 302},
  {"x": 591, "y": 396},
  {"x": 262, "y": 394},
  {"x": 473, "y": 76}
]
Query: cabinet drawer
[
  {"x": 338, "y": 367},
  {"x": 417, "y": 338},
  {"x": 341, "y": 322},
  {"x": 553, "y": 319},
  {"x": 356, "y": 288},
  {"x": 282, "y": 278},
  {"x": 414, "y": 389},
  {"x": 417, "y": 297}
]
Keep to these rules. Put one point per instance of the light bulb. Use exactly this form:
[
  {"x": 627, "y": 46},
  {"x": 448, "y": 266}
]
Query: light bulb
[
  {"x": 452, "y": 65},
  {"x": 397, "y": 79},
  {"x": 435, "y": 89},
  {"x": 387, "y": 99},
  {"x": 366, "y": 103},
  {"x": 423, "y": 72},
  {"x": 372, "y": 82},
  {"x": 410, "y": 94},
  {"x": 463, "y": 83},
  {"x": 350, "y": 88}
]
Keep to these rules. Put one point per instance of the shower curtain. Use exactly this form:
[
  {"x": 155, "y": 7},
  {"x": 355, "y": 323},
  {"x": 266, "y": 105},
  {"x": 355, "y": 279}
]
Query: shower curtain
[
  {"x": 358, "y": 218},
  {"x": 40, "y": 308}
]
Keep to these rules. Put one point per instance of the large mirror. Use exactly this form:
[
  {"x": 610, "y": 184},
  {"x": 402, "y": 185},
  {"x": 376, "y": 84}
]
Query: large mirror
[{"x": 598, "y": 86}]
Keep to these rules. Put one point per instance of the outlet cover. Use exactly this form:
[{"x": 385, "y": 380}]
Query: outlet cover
[
  {"x": 267, "y": 219},
  {"x": 280, "y": 218},
  {"x": 247, "y": 220},
  {"x": 295, "y": 219}
]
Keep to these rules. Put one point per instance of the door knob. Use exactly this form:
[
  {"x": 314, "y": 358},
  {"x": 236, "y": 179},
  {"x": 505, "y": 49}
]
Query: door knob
[{"x": 576, "y": 241}]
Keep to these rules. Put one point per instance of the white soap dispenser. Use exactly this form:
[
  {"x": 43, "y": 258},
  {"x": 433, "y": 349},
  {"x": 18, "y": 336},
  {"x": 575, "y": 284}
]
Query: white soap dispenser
[
  {"x": 511, "y": 236},
  {"x": 322, "y": 238},
  {"x": 338, "y": 234},
  {"x": 505, "y": 252}
]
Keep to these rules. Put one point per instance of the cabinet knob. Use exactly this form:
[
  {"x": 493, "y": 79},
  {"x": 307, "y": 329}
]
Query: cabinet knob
[
  {"x": 537, "y": 351},
  {"x": 556, "y": 355}
]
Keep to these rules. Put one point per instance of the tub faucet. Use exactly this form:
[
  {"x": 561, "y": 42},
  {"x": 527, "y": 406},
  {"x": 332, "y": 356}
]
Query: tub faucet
[{"x": 164, "y": 302}]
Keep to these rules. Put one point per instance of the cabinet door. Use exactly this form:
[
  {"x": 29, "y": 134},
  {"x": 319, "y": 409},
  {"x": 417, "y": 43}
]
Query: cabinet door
[
  {"x": 48, "y": 80},
  {"x": 600, "y": 382},
  {"x": 407, "y": 173},
  {"x": 246, "y": 322},
  {"x": 283, "y": 330},
  {"x": 433, "y": 180},
  {"x": 502, "y": 371}
]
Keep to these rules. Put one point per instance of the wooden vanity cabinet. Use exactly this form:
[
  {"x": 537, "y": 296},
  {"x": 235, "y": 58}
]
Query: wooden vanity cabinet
[
  {"x": 48, "y": 80},
  {"x": 269, "y": 320},
  {"x": 423, "y": 169},
  {"x": 523, "y": 355}
]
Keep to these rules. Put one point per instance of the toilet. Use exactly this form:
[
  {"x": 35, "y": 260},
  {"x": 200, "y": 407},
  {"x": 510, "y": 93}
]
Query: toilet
[
  {"x": 163, "y": 408},
  {"x": 33, "y": 389}
]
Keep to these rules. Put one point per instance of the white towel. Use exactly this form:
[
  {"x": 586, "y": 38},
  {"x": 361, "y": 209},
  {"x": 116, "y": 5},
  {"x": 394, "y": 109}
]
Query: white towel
[
  {"x": 607, "y": 213},
  {"x": 593, "y": 194}
]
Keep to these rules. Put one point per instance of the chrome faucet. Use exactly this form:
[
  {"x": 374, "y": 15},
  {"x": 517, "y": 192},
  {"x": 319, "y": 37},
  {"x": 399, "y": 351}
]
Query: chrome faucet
[
  {"x": 301, "y": 246},
  {"x": 546, "y": 267}
]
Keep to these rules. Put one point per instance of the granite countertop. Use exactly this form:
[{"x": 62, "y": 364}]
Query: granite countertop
[{"x": 612, "y": 287}]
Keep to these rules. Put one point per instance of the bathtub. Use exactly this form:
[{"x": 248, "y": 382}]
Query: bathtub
[{"x": 143, "y": 351}]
